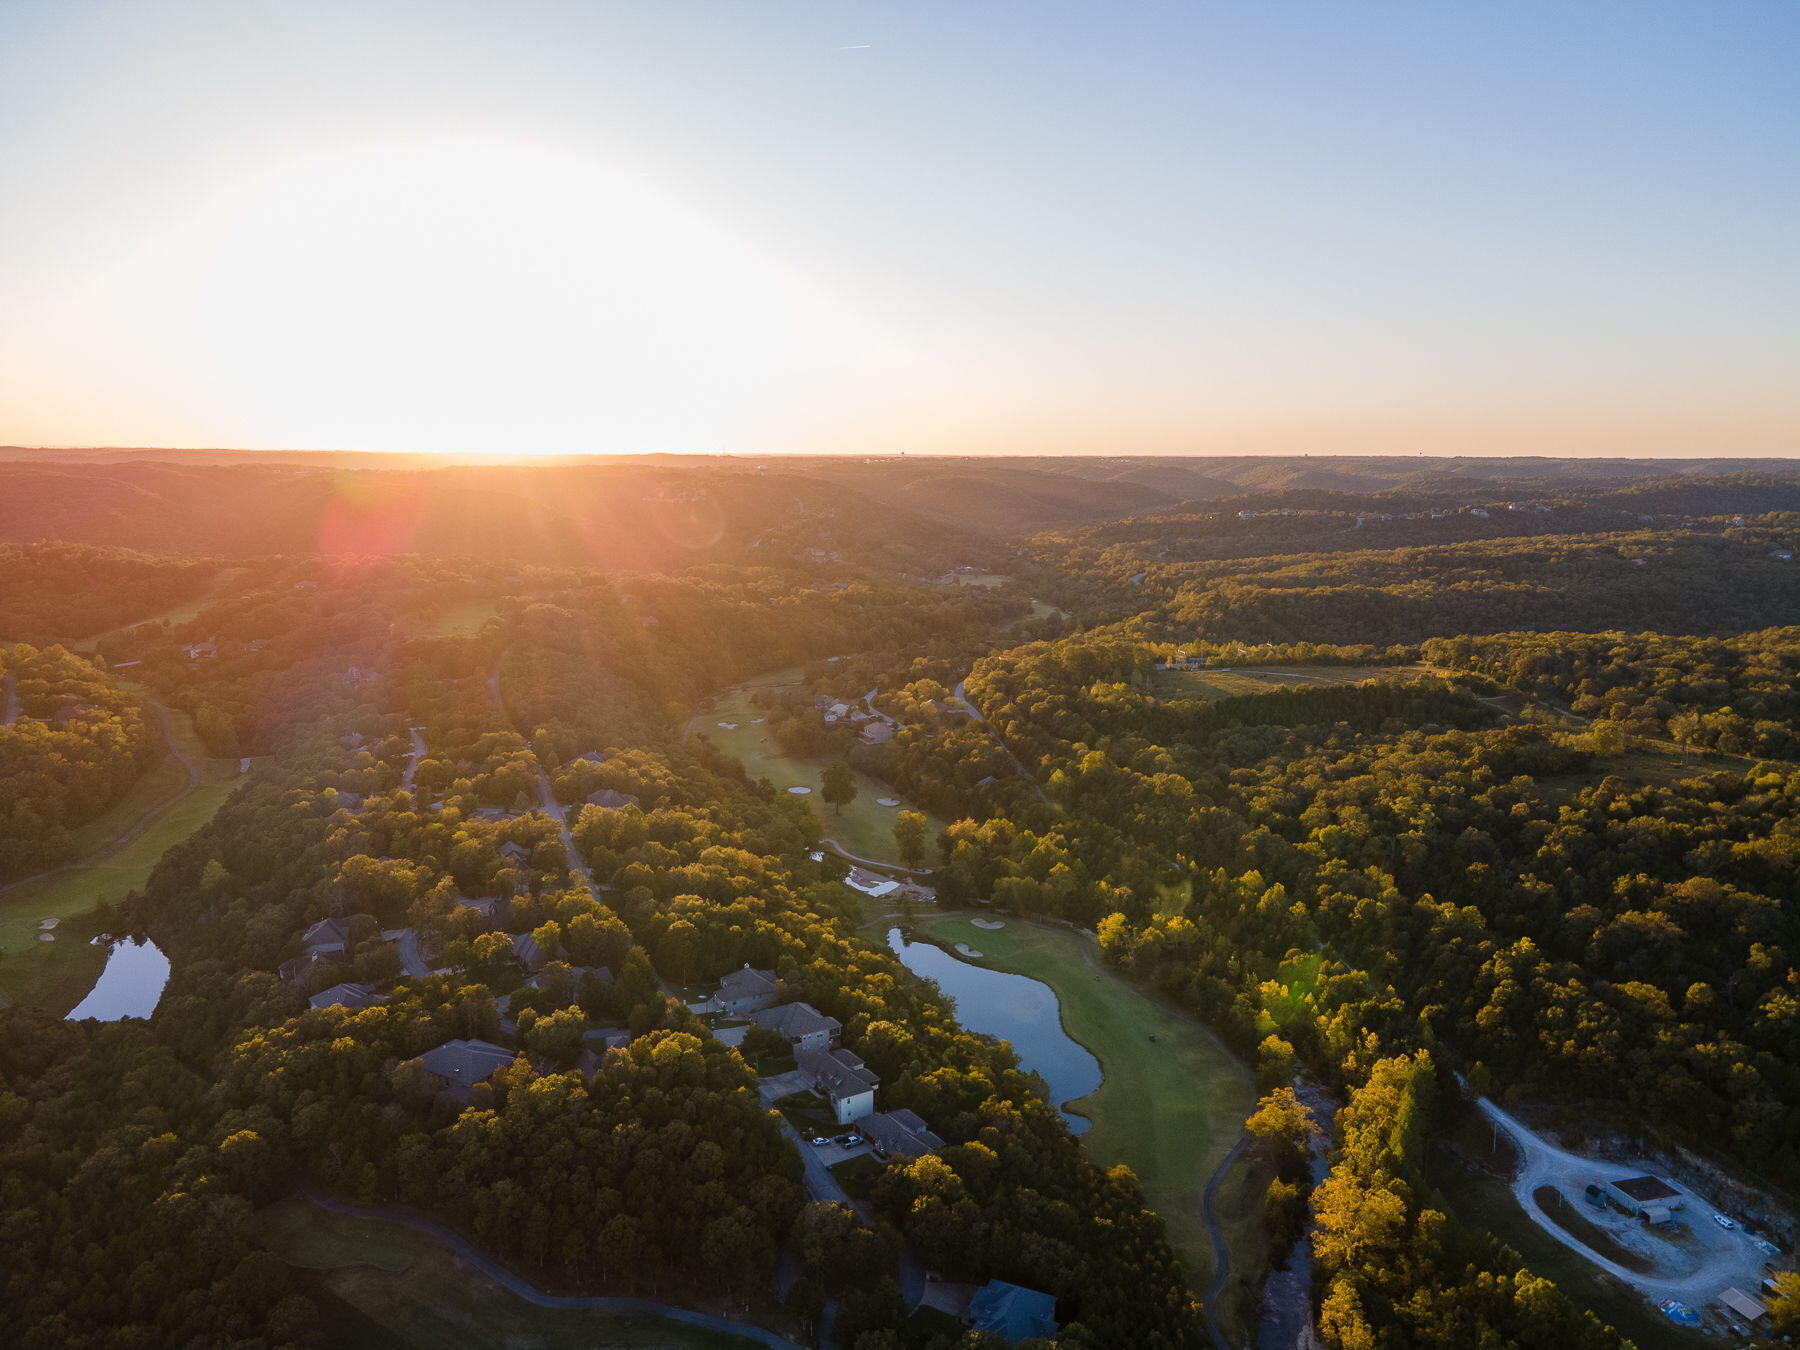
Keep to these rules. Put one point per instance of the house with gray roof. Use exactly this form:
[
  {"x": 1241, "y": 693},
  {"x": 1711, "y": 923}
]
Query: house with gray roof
[
  {"x": 462, "y": 1064},
  {"x": 1012, "y": 1312},
  {"x": 515, "y": 853},
  {"x": 488, "y": 906},
  {"x": 352, "y": 996},
  {"x": 611, "y": 800},
  {"x": 846, "y": 1081},
  {"x": 586, "y": 757},
  {"x": 899, "y": 1134},
  {"x": 803, "y": 1026},
  {"x": 529, "y": 953},
  {"x": 327, "y": 935},
  {"x": 747, "y": 990}
]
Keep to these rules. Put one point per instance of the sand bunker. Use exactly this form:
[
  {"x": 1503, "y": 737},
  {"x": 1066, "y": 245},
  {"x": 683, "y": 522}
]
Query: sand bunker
[
  {"x": 992, "y": 925},
  {"x": 964, "y": 949},
  {"x": 887, "y": 801},
  {"x": 801, "y": 792}
]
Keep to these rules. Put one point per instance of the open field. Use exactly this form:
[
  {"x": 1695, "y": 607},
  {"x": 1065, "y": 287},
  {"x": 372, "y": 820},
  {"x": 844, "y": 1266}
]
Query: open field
[
  {"x": 864, "y": 827},
  {"x": 1212, "y": 685},
  {"x": 187, "y": 609},
  {"x": 1174, "y": 1100},
  {"x": 412, "y": 1292},
  {"x": 44, "y": 972}
]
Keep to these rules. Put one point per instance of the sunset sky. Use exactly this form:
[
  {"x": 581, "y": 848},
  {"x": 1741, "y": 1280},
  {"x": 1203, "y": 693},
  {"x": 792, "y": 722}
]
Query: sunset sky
[{"x": 1198, "y": 227}]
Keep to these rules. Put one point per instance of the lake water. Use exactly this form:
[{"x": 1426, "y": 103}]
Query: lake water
[
  {"x": 130, "y": 986},
  {"x": 1013, "y": 1008}
]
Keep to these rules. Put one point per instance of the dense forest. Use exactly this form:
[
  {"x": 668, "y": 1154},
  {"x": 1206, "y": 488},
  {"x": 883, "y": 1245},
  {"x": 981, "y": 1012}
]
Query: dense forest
[{"x": 1524, "y": 809}]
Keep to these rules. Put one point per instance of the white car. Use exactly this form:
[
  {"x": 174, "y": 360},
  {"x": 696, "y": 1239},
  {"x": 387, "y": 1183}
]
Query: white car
[
  {"x": 818, "y": 1141},
  {"x": 1723, "y": 1222}
]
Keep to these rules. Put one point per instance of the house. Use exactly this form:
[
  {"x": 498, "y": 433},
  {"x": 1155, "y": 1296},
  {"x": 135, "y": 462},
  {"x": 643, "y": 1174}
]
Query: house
[
  {"x": 611, "y": 800},
  {"x": 530, "y": 955},
  {"x": 352, "y": 996},
  {"x": 899, "y": 1134},
  {"x": 842, "y": 1077},
  {"x": 586, "y": 757},
  {"x": 747, "y": 990},
  {"x": 307, "y": 963},
  {"x": 201, "y": 651},
  {"x": 488, "y": 906},
  {"x": 462, "y": 1064},
  {"x": 606, "y": 1038},
  {"x": 489, "y": 814},
  {"x": 1650, "y": 1198},
  {"x": 517, "y": 854},
  {"x": 1013, "y": 1313},
  {"x": 804, "y": 1026},
  {"x": 1743, "y": 1305},
  {"x": 327, "y": 935},
  {"x": 348, "y": 801},
  {"x": 69, "y": 711},
  {"x": 878, "y": 733}
]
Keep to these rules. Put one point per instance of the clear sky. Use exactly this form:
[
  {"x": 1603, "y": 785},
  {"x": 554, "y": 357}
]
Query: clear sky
[{"x": 1206, "y": 226}]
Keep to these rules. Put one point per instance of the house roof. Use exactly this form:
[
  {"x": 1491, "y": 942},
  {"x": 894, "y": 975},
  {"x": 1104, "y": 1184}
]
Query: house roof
[
  {"x": 1011, "y": 1312},
  {"x": 899, "y": 1134},
  {"x": 516, "y": 852},
  {"x": 587, "y": 757},
  {"x": 1646, "y": 1189},
  {"x": 840, "y": 1073},
  {"x": 611, "y": 800},
  {"x": 327, "y": 935},
  {"x": 796, "y": 1020},
  {"x": 347, "y": 996},
  {"x": 748, "y": 983},
  {"x": 1744, "y": 1305},
  {"x": 531, "y": 955},
  {"x": 466, "y": 1061}
]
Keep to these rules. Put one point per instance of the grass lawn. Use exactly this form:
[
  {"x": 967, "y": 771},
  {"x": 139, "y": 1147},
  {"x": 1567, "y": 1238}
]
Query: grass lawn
[
  {"x": 181, "y": 613},
  {"x": 409, "y": 1291},
  {"x": 1212, "y": 685},
  {"x": 865, "y": 827},
  {"x": 1170, "y": 1109},
  {"x": 857, "y": 1175},
  {"x": 30, "y": 972},
  {"x": 462, "y": 619},
  {"x": 1646, "y": 763}
]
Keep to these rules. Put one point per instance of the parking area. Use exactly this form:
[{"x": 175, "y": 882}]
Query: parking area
[{"x": 833, "y": 1153}]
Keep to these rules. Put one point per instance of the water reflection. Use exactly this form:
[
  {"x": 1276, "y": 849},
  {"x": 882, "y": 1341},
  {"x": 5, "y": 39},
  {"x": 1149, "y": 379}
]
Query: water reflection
[{"x": 1014, "y": 1008}]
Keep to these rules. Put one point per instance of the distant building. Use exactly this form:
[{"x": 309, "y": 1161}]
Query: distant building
[
  {"x": 1479, "y": 511},
  {"x": 515, "y": 853},
  {"x": 845, "y": 1080},
  {"x": 530, "y": 954},
  {"x": 327, "y": 935},
  {"x": 802, "y": 1025},
  {"x": 1650, "y": 1198},
  {"x": 1742, "y": 1305},
  {"x": 1247, "y": 514},
  {"x": 488, "y": 906},
  {"x": 201, "y": 651},
  {"x": 878, "y": 733},
  {"x": 352, "y": 996},
  {"x": 586, "y": 757},
  {"x": 462, "y": 1064},
  {"x": 899, "y": 1134},
  {"x": 747, "y": 990}
]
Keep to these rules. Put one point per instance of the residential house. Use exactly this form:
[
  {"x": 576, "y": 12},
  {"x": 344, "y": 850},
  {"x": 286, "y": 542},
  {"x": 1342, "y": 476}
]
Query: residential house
[
  {"x": 845, "y": 1080},
  {"x": 352, "y": 996},
  {"x": 586, "y": 757},
  {"x": 462, "y": 1064},
  {"x": 747, "y": 990},
  {"x": 304, "y": 966},
  {"x": 803, "y": 1026},
  {"x": 899, "y": 1134},
  {"x": 611, "y": 800},
  {"x": 878, "y": 733},
  {"x": 516, "y": 854},
  {"x": 489, "y": 814},
  {"x": 490, "y": 907},
  {"x": 201, "y": 651},
  {"x": 327, "y": 935},
  {"x": 529, "y": 953},
  {"x": 1012, "y": 1312}
]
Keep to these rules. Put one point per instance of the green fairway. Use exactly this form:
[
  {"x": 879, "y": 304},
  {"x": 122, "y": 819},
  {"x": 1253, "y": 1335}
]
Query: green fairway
[
  {"x": 187, "y": 609},
  {"x": 36, "y": 971},
  {"x": 1212, "y": 685},
  {"x": 864, "y": 827},
  {"x": 410, "y": 1291},
  {"x": 1171, "y": 1107}
]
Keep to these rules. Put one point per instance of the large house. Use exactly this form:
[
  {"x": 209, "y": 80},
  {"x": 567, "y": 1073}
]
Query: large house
[
  {"x": 845, "y": 1080},
  {"x": 803, "y": 1026},
  {"x": 352, "y": 996},
  {"x": 747, "y": 990},
  {"x": 327, "y": 935},
  {"x": 531, "y": 955},
  {"x": 611, "y": 800},
  {"x": 462, "y": 1064},
  {"x": 1009, "y": 1311},
  {"x": 515, "y": 853},
  {"x": 899, "y": 1134}
]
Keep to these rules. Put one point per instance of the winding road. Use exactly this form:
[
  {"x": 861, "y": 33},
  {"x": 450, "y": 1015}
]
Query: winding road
[
  {"x": 461, "y": 1247},
  {"x": 547, "y": 799},
  {"x": 962, "y": 697}
]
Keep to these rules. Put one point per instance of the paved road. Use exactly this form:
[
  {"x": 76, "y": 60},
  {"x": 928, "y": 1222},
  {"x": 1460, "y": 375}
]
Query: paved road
[
  {"x": 412, "y": 961},
  {"x": 412, "y": 763},
  {"x": 961, "y": 697},
  {"x": 515, "y": 1284},
  {"x": 1724, "y": 1257},
  {"x": 547, "y": 800},
  {"x": 846, "y": 854},
  {"x": 138, "y": 826}
]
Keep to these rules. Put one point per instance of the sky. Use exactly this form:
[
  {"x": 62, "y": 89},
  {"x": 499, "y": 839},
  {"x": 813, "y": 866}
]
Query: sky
[{"x": 981, "y": 226}]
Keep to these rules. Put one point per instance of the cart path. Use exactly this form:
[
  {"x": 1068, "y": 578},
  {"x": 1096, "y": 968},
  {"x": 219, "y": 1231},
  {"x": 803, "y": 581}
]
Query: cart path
[{"x": 501, "y": 1275}]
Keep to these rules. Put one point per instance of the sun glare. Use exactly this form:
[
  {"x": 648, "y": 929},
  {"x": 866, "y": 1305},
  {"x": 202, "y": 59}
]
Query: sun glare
[{"x": 482, "y": 295}]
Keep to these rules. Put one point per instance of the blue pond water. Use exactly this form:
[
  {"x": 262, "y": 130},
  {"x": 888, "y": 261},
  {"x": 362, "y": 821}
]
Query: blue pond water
[
  {"x": 130, "y": 986},
  {"x": 1014, "y": 1008}
]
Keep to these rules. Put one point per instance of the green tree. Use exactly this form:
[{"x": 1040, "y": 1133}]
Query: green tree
[
  {"x": 909, "y": 837},
  {"x": 838, "y": 785}
]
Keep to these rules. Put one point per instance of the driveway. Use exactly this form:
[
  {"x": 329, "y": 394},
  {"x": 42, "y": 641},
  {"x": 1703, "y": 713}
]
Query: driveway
[{"x": 1693, "y": 1268}]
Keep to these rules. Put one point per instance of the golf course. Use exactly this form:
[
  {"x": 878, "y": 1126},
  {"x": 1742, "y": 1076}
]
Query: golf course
[
  {"x": 865, "y": 827},
  {"x": 1174, "y": 1100}
]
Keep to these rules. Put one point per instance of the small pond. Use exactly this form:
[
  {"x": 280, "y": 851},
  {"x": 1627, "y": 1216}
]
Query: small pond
[
  {"x": 1013, "y": 1008},
  {"x": 130, "y": 986}
]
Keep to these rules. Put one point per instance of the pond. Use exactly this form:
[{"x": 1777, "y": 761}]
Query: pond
[
  {"x": 130, "y": 986},
  {"x": 1013, "y": 1008}
]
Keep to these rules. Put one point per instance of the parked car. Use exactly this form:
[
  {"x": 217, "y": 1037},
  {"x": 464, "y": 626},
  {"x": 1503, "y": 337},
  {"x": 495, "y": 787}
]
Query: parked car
[
  {"x": 849, "y": 1140},
  {"x": 1723, "y": 1222},
  {"x": 818, "y": 1141}
]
